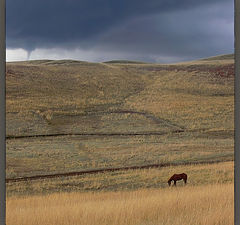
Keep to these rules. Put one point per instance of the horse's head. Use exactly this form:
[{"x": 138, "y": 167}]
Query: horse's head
[{"x": 169, "y": 182}]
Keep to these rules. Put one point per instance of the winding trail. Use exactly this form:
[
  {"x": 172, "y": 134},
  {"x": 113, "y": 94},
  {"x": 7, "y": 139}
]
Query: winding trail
[
  {"x": 92, "y": 134},
  {"x": 176, "y": 128}
]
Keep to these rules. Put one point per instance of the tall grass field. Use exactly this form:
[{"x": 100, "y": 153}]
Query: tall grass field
[{"x": 210, "y": 204}]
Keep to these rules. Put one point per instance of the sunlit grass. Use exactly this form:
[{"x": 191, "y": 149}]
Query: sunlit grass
[{"x": 202, "y": 205}]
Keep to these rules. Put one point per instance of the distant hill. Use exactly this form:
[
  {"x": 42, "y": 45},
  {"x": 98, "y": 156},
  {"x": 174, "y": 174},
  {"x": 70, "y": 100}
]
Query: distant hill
[
  {"x": 220, "y": 57},
  {"x": 125, "y": 62},
  {"x": 50, "y": 62}
]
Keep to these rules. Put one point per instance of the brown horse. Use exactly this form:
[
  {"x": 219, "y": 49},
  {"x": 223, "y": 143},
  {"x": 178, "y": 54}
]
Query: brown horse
[{"x": 176, "y": 177}]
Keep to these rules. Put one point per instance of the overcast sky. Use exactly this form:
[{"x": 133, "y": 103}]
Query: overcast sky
[{"x": 99, "y": 30}]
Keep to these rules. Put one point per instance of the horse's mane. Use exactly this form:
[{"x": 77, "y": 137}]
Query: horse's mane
[{"x": 170, "y": 179}]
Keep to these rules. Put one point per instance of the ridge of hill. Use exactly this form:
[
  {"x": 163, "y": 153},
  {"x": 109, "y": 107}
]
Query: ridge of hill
[
  {"x": 220, "y": 57},
  {"x": 126, "y": 62}
]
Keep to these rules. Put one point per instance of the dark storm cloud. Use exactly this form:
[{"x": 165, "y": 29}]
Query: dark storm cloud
[
  {"x": 151, "y": 27},
  {"x": 177, "y": 34}
]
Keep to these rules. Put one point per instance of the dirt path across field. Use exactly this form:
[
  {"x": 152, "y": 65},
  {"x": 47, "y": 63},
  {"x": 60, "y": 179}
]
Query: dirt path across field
[{"x": 77, "y": 173}]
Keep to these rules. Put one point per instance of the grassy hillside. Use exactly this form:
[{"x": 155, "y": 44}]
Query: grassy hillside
[
  {"x": 67, "y": 116},
  {"x": 71, "y": 115},
  {"x": 50, "y": 97},
  {"x": 198, "y": 175}
]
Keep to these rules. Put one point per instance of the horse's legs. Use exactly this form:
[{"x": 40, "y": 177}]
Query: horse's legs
[
  {"x": 175, "y": 183},
  {"x": 185, "y": 181}
]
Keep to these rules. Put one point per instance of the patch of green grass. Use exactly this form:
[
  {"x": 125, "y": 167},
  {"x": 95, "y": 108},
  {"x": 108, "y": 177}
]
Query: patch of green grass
[{"x": 36, "y": 156}]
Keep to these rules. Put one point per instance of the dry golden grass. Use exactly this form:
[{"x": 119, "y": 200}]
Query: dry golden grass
[
  {"x": 189, "y": 99},
  {"x": 199, "y": 205}
]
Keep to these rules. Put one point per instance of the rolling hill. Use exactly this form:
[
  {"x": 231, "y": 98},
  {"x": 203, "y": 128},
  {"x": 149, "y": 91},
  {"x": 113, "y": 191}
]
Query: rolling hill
[{"x": 65, "y": 115}]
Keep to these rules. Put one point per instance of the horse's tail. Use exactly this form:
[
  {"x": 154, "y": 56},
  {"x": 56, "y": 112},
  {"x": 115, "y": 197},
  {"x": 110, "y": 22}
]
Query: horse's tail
[{"x": 185, "y": 177}]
